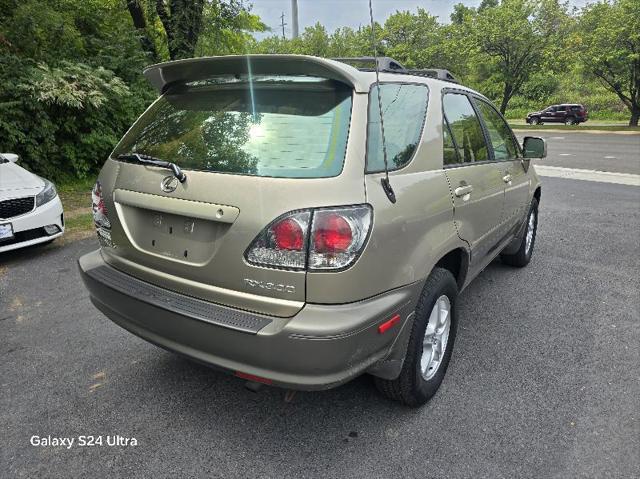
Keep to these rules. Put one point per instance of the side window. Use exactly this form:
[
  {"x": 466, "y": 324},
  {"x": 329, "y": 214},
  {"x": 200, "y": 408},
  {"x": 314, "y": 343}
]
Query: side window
[
  {"x": 403, "y": 111},
  {"x": 502, "y": 142},
  {"x": 465, "y": 128},
  {"x": 562, "y": 108}
]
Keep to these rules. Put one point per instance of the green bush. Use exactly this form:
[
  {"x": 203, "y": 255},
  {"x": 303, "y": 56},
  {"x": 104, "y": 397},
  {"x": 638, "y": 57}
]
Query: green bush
[{"x": 71, "y": 81}]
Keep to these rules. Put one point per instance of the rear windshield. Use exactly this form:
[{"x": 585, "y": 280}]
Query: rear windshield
[{"x": 294, "y": 127}]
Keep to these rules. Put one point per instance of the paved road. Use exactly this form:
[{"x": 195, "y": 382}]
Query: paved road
[
  {"x": 613, "y": 152},
  {"x": 544, "y": 380}
]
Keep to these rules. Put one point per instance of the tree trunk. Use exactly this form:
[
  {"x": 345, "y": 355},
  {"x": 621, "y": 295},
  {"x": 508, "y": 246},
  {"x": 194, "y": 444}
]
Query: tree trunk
[
  {"x": 182, "y": 22},
  {"x": 635, "y": 115},
  {"x": 140, "y": 23},
  {"x": 506, "y": 96}
]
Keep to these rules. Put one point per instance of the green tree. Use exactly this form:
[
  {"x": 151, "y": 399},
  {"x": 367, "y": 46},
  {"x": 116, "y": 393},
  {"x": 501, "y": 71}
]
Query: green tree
[
  {"x": 71, "y": 83},
  {"x": 509, "y": 39},
  {"x": 184, "y": 27},
  {"x": 414, "y": 39},
  {"x": 461, "y": 13},
  {"x": 608, "y": 41},
  {"x": 484, "y": 4}
]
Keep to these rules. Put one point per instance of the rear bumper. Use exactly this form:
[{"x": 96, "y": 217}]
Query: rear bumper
[{"x": 320, "y": 347}]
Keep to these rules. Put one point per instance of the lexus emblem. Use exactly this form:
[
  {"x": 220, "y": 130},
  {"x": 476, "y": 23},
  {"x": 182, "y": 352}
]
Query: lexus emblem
[{"x": 169, "y": 184}]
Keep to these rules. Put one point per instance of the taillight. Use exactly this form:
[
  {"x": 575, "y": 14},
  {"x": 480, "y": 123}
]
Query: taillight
[
  {"x": 337, "y": 236},
  {"x": 282, "y": 244},
  {"x": 100, "y": 218}
]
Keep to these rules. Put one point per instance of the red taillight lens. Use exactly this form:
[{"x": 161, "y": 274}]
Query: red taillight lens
[
  {"x": 288, "y": 235},
  {"x": 100, "y": 217},
  {"x": 282, "y": 244},
  {"x": 99, "y": 209},
  {"x": 337, "y": 236},
  {"x": 332, "y": 234}
]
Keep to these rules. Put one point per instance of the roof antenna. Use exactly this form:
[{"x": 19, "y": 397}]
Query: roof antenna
[{"x": 386, "y": 186}]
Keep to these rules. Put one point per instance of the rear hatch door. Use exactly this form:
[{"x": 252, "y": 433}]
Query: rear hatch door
[{"x": 252, "y": 150}]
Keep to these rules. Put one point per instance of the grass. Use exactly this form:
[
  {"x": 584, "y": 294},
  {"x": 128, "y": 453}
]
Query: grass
[
  {"x": 79, "y": 224},
  {"x": 76, "y": 195},
  {"x": 76, "y": 200}
]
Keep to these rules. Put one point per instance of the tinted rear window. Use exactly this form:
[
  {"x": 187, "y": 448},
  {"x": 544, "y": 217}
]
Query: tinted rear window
[
  {"x": 281, "y": 127},
  {"x": 403, "y": 111}
]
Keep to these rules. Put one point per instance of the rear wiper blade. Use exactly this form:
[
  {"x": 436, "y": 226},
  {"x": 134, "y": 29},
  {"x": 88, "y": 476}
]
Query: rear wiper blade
[{"x": 152, "y": 160}]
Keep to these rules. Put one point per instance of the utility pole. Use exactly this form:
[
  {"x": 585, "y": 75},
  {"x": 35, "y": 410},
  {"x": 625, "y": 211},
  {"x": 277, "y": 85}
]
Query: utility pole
[
  {"x": 294, "y": 18},
  {"x": 283, "y": 25}
]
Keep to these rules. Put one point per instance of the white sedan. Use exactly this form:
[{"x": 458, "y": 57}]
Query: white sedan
[{"x": 30, "y": 209}]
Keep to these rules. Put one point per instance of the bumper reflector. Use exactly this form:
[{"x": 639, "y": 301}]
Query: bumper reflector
[
  {"x": 251, "y": 377},
  {"x": 387, "y": 325}
]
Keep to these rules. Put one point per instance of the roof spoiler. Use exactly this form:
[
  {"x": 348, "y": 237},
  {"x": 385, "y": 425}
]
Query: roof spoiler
[{"x": 164, "y": 75}]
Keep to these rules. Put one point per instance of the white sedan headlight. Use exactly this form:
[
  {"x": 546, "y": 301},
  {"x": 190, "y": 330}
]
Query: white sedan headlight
[{"x": 47, "y": 194}]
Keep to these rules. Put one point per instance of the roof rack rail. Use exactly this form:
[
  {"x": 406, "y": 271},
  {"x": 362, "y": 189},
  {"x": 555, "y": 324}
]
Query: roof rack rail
[
  {"x": 437, "y": 73},
  {"x": 389, "y": 65},
  {"x": 385, "y": 64}
]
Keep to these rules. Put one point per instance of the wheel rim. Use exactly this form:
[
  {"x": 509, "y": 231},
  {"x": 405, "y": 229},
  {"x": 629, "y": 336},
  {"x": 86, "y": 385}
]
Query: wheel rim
[
  {"x": 436, "y": 336},
  {"x": 531, "y": 227}
]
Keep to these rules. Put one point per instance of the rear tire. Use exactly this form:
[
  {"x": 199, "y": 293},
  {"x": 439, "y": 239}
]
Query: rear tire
[
  {"x": 522, "y": 257},
  {"x": 570, "y": 121},
  {"x": 430, "y": 344}
]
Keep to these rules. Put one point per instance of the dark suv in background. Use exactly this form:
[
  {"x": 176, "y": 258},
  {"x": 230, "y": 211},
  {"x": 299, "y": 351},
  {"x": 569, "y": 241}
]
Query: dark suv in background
[{"x": 567, "y": 113}]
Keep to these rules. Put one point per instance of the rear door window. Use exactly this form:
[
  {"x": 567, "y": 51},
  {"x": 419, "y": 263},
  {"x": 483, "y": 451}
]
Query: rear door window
[
  {"x": 465, "y": 128},
  {"x": 403, "y": 112},
  {"x": 293, "y": 127},
  {"x": 502, "y": 141}
]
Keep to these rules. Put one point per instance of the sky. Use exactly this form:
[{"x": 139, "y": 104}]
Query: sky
[{"x": 353, "y": 13}]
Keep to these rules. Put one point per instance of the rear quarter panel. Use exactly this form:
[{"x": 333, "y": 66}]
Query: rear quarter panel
[{"x": 408, "y": 237}]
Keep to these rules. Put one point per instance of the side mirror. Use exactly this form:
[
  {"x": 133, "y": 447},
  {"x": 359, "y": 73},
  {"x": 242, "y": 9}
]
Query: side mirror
[
  {"x": 534, "y": 147},
  {"x": 12, "y": 157}
]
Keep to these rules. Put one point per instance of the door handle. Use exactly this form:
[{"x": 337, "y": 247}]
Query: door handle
[
  {"x": 507, "y": 178},
  {"x": 463, "y": 190}
]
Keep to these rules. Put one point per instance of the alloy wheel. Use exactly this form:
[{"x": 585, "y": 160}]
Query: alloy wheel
[
  {"x": 436, "y": 336},
  {"x": 531, "y": 226}
]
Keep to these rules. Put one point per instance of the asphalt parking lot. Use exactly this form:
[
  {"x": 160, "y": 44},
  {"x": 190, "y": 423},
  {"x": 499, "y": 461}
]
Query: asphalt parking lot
[{"x": 544, "y": 380}]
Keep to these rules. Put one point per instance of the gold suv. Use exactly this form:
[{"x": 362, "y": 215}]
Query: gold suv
[{"x": 297, "y": 221}]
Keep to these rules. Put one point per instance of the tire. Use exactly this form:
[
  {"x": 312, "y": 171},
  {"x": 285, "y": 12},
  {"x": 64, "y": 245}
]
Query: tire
[
  {"x": 535, "y": 121},
  {"x": 570, "y": 121},
  {"x": 522, "y": 257},
  {"x": 413, "y": 387}
]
